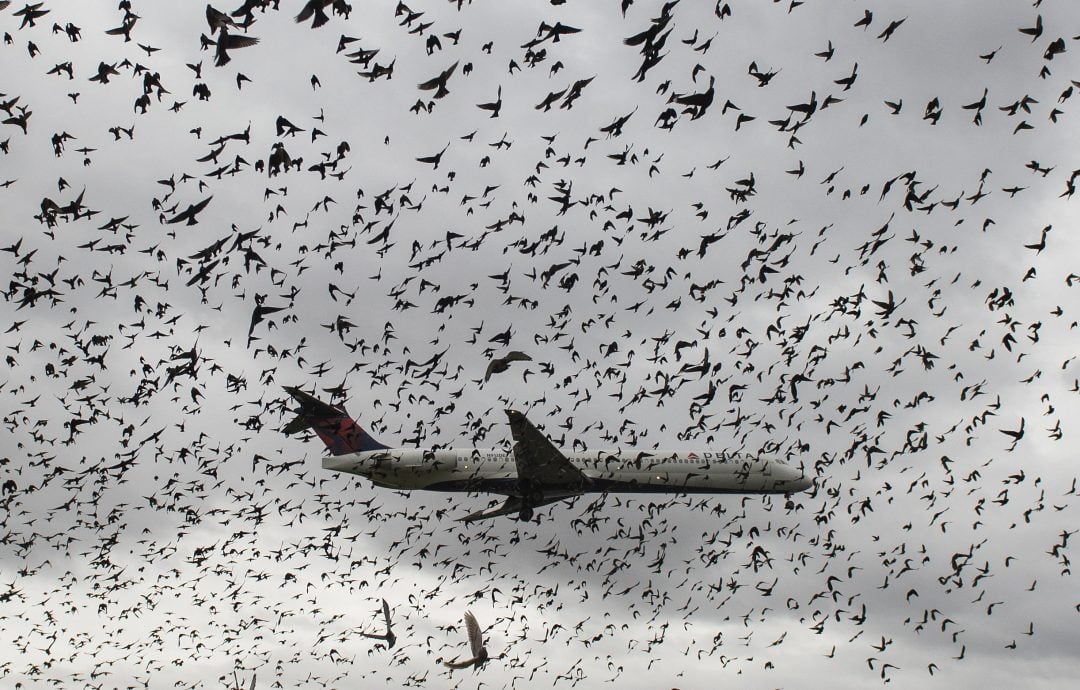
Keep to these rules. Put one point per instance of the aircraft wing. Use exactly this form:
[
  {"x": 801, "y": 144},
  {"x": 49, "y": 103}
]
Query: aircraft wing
[
  {"x": 539, "y": 463},
  {"x": 513, "y": 504}
]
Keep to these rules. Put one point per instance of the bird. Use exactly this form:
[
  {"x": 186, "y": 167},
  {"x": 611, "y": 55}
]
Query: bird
[
  {"x": 1015, "y": 435},
  {"x": 438, "y": 83},
  {"x": 548, "y": 32},
  {"x": 258, "y": 315},
  {"x": 434, "y": 159},
  {"x": 1035, "y": 31},
  {"x": 476, "y": 645},
  {"x": 501, "y": 364},
  {"x": 125, "y": 26},
  {"x": 389, "y": 635},
  {"x": 226, "y": 42},
  {"x": 104, "y": 72},
  {"x": 189, "y": 214},
  {"x": 1041, "y": 244},
  {"x": 494, "y": 106},
  {"x": 30, "y": 14},
  {"x": 216, "y": 19},
  {"x": 891, "y": 29},
  {"x": 315, "y": 10}
]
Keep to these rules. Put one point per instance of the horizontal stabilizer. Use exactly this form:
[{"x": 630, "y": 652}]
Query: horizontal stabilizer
[
  {"x": 331, "y": 423},
  {"x": 311, "y": 408}
]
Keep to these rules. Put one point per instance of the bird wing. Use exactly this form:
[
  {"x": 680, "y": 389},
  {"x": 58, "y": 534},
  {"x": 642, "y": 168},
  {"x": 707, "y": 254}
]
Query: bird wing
[
  {"x": 435, "y": 82},
  {"x": 239, "y": 41},
  {"x": 458, "y": 664},
  {"x": 180, "y": 217},
  {"x": 212, "y": 154},
  {"x": 430, "y": 84},
  {"x": 307, "y": 11},
  {"x": 201, "y": 205},
  {"x": 538, "y": 461},
  {"x": 215, "y": 17},
  {"x": 476, "y": 636},
  {"x": 386, "y": 613}
]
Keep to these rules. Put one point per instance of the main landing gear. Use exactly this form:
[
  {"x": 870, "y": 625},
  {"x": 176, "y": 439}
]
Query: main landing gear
[{"x": 530, "y": 497}]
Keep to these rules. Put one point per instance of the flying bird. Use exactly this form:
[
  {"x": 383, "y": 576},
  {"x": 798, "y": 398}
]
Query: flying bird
[
  {"x": 476, "y": 645},
  {"x": 226, "y": 42},
  {"x": 316, "y": 11},
  {"x": 890, "y": 29},
  {"x": 389, "y": 635},
  {"x": 217, "y": 19},
  {"x": 30, "y": 14},
  {"x": 189, "y": 214},
  {"x": 434, "y": 159},
  {"x": 1034, "y": 31},
  {"x": 501, "y": 364},
  {"x": 439, "y": 83}
]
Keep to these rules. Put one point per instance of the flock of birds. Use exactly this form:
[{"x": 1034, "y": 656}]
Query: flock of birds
[{"x": 739, "y": 226}]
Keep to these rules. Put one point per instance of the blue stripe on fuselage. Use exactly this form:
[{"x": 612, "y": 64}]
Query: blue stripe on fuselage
[{"x": 508, "y": 486}]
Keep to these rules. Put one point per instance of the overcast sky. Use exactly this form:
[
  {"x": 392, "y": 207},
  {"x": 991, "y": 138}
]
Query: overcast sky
[{"x": 856, "y": 251}]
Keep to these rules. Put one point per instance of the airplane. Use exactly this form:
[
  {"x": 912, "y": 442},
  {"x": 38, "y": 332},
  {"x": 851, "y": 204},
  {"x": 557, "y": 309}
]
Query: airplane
[{"x": 535, "y": 473}]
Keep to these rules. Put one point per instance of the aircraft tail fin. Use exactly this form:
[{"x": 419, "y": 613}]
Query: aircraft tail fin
[{"x": 331, "y": 423}]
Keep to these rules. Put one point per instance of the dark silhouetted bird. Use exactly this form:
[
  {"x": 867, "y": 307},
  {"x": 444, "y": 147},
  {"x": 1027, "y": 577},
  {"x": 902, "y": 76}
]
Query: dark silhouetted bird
[
  {"x": 389, "y": 635},
  {"x": 501, "y": 364},
  {"x": 439, "y": 83}
]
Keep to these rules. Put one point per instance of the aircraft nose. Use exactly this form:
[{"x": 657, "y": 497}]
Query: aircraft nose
[
  {"x": 801, "y": 484},
  {"x": 796, "y": 480}
]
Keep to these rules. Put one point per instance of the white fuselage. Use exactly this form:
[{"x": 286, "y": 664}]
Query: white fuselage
[{"x": 495, "y": 470}]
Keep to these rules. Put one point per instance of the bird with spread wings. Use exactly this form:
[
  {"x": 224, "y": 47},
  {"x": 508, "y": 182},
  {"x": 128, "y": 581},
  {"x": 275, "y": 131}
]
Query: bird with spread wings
[
  {"x": 389, "y": 636},
  {"x": 476, "y": 644},
  {"x": 438, "y": 83},
  {"x": 501, "y": 364}
]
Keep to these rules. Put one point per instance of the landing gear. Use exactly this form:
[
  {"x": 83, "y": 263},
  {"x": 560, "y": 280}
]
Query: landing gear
[{"x": 531, "y": 496}]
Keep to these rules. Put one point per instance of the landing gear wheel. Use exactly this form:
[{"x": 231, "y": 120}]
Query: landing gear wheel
[{"x": 525, "y": 514}]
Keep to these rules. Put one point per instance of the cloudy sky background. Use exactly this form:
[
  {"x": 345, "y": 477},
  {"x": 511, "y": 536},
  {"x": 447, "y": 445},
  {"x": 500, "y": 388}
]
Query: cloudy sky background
[{"x": 171, "y": 534}]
